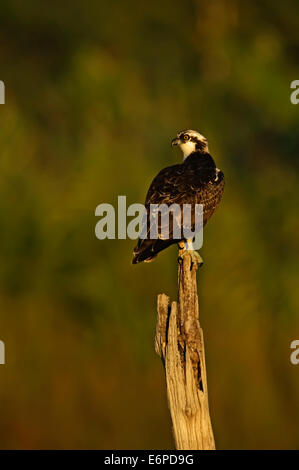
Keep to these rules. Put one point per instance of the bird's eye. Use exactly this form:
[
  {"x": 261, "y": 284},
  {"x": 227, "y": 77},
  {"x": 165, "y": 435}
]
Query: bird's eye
[{"x": 185, "y": 137}]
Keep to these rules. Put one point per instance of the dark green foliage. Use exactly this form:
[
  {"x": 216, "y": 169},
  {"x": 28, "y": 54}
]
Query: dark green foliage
[{"x": 95, "y": 91}]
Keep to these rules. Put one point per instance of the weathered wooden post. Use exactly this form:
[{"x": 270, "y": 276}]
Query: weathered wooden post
[{"x": 180, "y": 344}]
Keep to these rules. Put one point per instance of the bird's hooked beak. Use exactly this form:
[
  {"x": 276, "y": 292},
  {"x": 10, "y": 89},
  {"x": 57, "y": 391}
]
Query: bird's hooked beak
[{"x": 175, "y": 141}]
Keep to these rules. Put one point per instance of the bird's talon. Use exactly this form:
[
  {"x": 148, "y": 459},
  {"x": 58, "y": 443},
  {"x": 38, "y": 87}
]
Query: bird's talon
[{"x": 195, "y": 259}]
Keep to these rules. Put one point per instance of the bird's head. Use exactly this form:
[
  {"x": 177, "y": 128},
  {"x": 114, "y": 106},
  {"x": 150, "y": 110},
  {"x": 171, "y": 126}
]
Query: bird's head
[{"x": 190, "y": 141}]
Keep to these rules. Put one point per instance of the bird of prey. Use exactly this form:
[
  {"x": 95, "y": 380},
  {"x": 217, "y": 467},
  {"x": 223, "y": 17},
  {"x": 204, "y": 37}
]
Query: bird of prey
[{"x": 194, "y": 181}]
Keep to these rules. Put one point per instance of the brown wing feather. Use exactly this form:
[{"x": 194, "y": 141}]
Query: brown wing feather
[{"x": 193, "y": 182}]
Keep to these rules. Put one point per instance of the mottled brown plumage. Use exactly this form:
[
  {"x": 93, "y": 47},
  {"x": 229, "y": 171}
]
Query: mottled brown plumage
[{"x": 195, "y": 181}]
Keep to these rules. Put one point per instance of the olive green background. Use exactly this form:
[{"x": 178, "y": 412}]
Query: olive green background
[{"x": 95, "y": 91}]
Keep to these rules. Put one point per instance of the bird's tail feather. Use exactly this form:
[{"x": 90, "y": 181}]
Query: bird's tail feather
[{"x": 147, "y": 250}]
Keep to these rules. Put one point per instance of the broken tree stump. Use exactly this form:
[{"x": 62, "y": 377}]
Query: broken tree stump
[{"x": 180, "y": 344}]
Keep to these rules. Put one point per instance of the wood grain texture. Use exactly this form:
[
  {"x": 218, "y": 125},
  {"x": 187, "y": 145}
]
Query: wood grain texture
[{"x": 180, "y": 344}]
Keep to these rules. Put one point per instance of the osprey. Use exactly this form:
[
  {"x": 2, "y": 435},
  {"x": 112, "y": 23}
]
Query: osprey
[{"x": 195, "y": 181}]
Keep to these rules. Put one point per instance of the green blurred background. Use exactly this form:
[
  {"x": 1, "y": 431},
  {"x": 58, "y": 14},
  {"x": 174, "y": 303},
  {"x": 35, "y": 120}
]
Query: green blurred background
[{"x": 95, "y": 91}]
